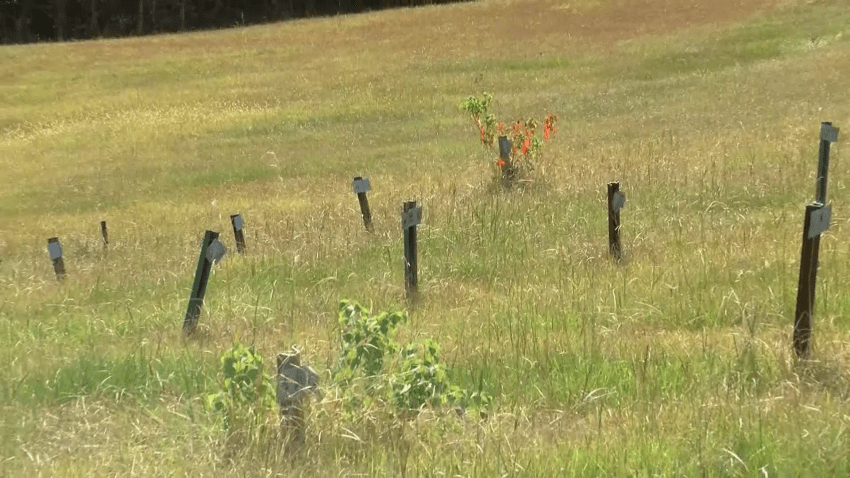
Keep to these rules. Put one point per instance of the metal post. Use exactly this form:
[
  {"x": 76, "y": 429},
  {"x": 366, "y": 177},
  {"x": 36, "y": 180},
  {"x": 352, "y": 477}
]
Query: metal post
[
  {"x": 816, "y": 222},
  {"x": 806, "y": 284},
  {"x": 828, "y": 134},
  {"x": 202, "y": 275},
  {"x": 237, "y": 222}
]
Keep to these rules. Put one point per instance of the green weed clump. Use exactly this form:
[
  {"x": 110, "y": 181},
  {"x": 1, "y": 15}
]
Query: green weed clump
[
  {"x": 373, "y": 366},
  {"x": 246, "y": 395}
]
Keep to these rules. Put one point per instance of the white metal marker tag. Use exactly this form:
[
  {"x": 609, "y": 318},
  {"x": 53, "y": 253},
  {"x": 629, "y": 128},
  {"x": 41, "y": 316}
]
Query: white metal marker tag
[
  {"x": 55, "y": 250},
  {"x": 237, "y": 222},
  {"x": 215, "y": 251},
  {"x": 819, "y": 221},
  {"x": 618, "y": 201},
  {"x": 828, "y": 133},
  {"x": 411, "y": 217},
  {"x": 361, "y": 186}
]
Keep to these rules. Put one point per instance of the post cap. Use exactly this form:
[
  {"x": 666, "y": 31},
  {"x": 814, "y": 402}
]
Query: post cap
[
  {"x": 411, "y": 217},
  {"x": 361, "y": 185},
  {"x": 236, "y": 219},
  {"x": 54, "y": 248}
]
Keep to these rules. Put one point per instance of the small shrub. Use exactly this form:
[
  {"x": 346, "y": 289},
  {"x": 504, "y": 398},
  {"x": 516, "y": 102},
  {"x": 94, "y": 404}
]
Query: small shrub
[
  {"x": 526, "y": 144},
  {"x": 368, "y": 345},
  {"x": 365, "y": 339},
  {"x": 246, "y": 395},
  {"x": 423, "y": 379}
]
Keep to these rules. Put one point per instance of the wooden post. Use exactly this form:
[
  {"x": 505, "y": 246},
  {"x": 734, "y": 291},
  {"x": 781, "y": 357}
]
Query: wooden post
[
  {"x": 237, "y": 222},
  {"x": 816, "y": 222},
  {"x": 616, "y": 201},
  {"x": 104, "y": 234},
  {"x": 361, "y": 187},
  {"x": 411, "y": 216},
  {"x": 294, "y": 383},
  {"x": 55, "y": 251},
  {"x": 508, "y": 173},
  {"x": 211, "y": 251}
]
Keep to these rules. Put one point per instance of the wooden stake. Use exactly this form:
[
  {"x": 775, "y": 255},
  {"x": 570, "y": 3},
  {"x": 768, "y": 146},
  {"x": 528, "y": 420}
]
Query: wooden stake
[
  {"x": 410, "y": 217},
  {"x": 104, "y": 234},
  {"x": 361, "y": 187},
  {"x": 508, "y": 171},
  {"x": 616, "y": 200}
]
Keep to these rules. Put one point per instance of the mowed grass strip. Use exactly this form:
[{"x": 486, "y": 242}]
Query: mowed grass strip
[{"x": 675, "y": 362}]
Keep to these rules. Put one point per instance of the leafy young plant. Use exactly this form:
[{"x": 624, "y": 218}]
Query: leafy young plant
[
  {"x": 368, "y": 343},
  {"x": 365, "y": 339},
  {"x": 422, "y": 379},
  {"x": 244, "y": 390},
  {"x": 526, "y": 146}
]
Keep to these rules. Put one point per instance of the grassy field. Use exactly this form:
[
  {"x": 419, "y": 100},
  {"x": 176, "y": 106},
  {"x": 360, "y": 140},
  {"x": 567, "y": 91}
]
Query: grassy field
[{"x": 676, "y": 362}]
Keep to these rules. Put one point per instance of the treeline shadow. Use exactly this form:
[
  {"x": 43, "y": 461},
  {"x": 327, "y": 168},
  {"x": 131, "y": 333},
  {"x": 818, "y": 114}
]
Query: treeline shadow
[{"x": 28, "y": 21}]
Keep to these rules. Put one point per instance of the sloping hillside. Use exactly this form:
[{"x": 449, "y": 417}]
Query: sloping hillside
[{"x": 676, "y": 361}]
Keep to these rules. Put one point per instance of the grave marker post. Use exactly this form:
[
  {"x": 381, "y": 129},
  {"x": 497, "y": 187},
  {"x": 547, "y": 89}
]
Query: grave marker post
[
  {"x": 411, "y": 216},
  {"x": 54, "y": 248},
  {"x": 104, "y": 233},
  {"x": 828, "y": 135},
  {"x": 295, "y": 382},
  {"x": 616, "y": 201},
  {"x": 505, "y": 155},
  {"x": 211, "y": 252},
  {"x": 361, "y": 187},
  {"x": 815, "y": 223},
  {"x": 237, "y": 222}
]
